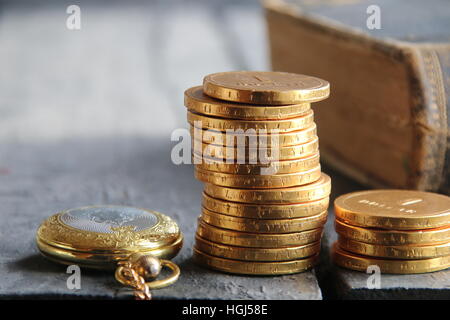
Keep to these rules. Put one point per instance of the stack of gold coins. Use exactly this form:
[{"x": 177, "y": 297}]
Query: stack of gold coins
[
  {"x": 255, "y": 147},
  {"x": 399, "y": 231}
]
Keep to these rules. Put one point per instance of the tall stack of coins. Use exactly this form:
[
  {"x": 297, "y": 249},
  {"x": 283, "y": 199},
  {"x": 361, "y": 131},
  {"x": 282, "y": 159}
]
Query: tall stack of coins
[
  {"x": 265, "y": 198},
  {"x": 399, "y": 231}
]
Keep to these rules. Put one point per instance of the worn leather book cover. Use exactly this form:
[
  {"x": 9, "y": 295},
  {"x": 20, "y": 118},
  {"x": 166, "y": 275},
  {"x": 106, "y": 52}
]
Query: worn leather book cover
[{"x": 386, "y": 122}]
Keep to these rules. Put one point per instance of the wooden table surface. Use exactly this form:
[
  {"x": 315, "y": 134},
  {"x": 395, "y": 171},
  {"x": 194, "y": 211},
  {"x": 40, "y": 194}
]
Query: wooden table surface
[{"x": 86, "y": 118}]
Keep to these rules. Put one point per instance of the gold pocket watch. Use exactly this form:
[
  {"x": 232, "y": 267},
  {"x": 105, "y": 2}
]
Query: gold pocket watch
[{"x": 137, "y": 243}]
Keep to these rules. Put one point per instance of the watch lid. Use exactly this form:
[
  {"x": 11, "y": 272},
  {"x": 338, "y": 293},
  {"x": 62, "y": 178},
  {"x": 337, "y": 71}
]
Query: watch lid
[{"x": 104, "y": 233}]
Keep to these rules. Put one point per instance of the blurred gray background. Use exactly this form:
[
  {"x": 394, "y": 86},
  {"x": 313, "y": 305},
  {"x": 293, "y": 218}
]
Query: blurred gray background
[{"x": 124, "y": 72}]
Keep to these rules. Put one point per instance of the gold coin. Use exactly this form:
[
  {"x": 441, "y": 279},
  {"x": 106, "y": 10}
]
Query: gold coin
[
  {"x": 195, "y": 100},
  {"x": 256, "y": 254},
  {"x": 264, "y": 225},
  {"x": 272, "y": 88},
  {"x": 252, "y": 126},
  {"x": 255, "y": 240},
  {"x": 310, "y": 192},
  {"x": 392, "y": 237},
  {"x": 361, "y": 263},
  {"x": 254, "y": 139},
  {"x": 277, "y": 167},
  {"x": 265, "y": 211},
  {"x": 394, "y": 209},
  {"x": 395, "y": 252},
  {"x": 254, "y": 268},
  {"x": 258, "y": 181},
  {"x": 256, "y": 155}
]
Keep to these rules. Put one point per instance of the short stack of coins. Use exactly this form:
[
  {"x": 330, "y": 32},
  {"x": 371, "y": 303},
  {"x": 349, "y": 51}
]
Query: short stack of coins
[
  {"x": 399, "y": 231},
  {"x": 258, "y": 217}
]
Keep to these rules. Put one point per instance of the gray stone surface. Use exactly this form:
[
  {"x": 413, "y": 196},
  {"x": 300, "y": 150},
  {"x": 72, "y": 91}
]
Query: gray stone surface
[
  {"x": 86, "y": 118},
  {"x": 340, "y": 283},
  {"x": 46, "y": 178}
]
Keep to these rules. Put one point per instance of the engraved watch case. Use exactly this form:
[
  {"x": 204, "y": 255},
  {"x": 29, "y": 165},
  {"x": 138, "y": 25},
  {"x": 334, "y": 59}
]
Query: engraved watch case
[{"x": 100, "y": 236}]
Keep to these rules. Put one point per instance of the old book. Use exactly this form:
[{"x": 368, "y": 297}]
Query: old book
[{"x": 386, "y": 123}]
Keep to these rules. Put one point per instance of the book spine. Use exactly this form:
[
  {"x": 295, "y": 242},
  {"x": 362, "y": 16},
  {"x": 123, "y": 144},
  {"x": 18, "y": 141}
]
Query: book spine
[
  {"x": 443, "y": 54},
  {"x": 430, "y": 79}
]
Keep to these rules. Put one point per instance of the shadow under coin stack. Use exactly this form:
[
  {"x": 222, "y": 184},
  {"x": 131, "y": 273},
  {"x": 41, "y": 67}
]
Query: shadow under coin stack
[
  {"x": 257, "y": 217},
  {"x": 399, "y": 231}
]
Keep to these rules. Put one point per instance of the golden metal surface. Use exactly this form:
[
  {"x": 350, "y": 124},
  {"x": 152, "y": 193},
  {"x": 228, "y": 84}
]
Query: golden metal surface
[
  {"x": 55, "y": 232},
  {"x": 258, "y": 181},
  {"x": 277, "y": 167},
  {"x": 310, "y": 192},
  {"x": 265, "y": 211},
  {"x": 272, "y": 88},
  {"x": 361, "y": 263},
  {"x": 264, "y": 225},
  {"x": 274, "y": 204},
  {"x": 101, "y": 260},
  {"x": 394, "y": 209},
  {"x": 256, "y": 254},
  {"x": 395, "y": 252},
  {"x": 255, "y": 240},
  {"x": 254, "y": 139},
  {"x": 271, "y": 126},
  {"x": 259, "y": 154},
  {"x": 135, "y": 272},
  {"x": 254, "y": 268},
  {"x": 195, "y": 100},
  {"x": 106, "y": 237},
  {"x": 393, "y": 237}
]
